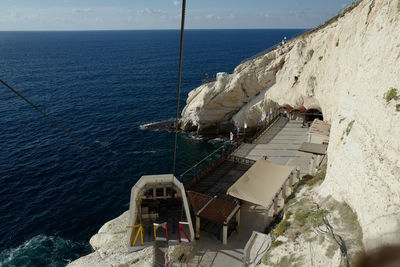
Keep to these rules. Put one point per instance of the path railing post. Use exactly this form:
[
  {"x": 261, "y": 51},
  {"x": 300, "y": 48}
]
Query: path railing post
[
  {"x": 284, "y": 191},
  {"x": 291, "y": 182},
  {"x": 298, "y": 174},
  {"x": 275, "y": 203},
  {"x": 311, "y": 167}
]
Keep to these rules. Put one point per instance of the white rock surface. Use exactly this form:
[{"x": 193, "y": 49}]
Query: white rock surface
[
  {"x": 307, "y": 241},
  {"x": 110, "y": 248},
  {"x": 347, "y": 67}
]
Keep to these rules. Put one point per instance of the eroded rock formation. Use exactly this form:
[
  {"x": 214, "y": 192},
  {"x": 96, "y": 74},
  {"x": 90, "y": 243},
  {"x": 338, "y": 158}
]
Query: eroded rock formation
[{"x": 347, "y": 67}]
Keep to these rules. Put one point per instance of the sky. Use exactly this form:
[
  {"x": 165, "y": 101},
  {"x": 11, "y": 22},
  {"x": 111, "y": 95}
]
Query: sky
[{"x": 164, "y": 14}]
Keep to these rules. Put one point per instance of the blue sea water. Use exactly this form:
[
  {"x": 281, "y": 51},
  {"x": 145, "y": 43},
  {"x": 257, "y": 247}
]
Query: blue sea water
[{"x": 102, "y": 86}]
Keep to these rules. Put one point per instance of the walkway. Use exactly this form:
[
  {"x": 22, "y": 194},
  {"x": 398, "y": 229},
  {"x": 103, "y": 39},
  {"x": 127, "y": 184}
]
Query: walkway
[
  {"x": 280, "y": 144},
  {"x": 209, "y": 252},
  {"x": 217, "y": 182}
]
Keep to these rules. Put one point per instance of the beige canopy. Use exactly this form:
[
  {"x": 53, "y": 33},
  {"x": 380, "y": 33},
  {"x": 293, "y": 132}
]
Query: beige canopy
[{"x": 260, "y": 183}]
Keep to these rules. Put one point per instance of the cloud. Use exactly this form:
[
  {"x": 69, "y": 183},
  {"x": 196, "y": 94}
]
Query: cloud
[
  {"x": 82, "y": 10},
  {"x": 213, "y": 16},
  {"x": 232, "y": 16},
  {"x": 150, "y": 11},
  {"x": 67, "y": 18},
  {"x": 219, "y": 17},
  {"x": 210, "y": 16},
  {"x": 176, "y": 3},
  {"x": 299, "y": 14},
  {"x": 171, "y": 17}
]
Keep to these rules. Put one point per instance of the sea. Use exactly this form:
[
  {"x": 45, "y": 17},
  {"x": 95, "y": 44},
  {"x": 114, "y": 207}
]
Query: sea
[{"x": 103, "y": 87}]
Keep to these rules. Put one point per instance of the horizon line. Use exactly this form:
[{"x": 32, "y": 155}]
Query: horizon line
[{"x": 174, "y": 29}]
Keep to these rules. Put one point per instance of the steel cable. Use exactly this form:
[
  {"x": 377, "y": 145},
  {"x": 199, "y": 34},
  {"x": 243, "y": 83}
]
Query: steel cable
[
  {"x": 179, "y": 85},
  {"x": 81, "y": 144}
]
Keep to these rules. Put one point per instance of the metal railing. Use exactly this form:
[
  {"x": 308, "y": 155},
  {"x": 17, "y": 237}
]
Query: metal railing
[
  {"x": 194, "y": 174},
  {"x": 274, "y": 117},
  {"x": 266, "y": 125},
  {"x": 241, "y": 160},
  {"x": 205, "y": 163},
  {"x": 269, "y": 49}
]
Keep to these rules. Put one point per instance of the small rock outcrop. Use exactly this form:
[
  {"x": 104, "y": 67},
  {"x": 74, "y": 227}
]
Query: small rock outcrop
[
  {"x": 348, "y": 67},
  {"x": 110, "y": 248}
]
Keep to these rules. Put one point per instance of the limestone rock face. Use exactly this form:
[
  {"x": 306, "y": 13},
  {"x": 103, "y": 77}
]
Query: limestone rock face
[
  {"x": 347, "y": 67},
  {"x": 110, "y": 247},
  {"x": 218, "y": 101}
]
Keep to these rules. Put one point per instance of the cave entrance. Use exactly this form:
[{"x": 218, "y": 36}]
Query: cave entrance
[
  {"x": 298, "y": 113},
  {"x": 314, "y": 112}
]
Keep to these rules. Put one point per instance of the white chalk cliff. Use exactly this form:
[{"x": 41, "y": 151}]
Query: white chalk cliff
[{"x": 347, "y": 67}]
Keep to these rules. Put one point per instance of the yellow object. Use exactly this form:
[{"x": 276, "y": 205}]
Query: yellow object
[
  {"x": 139, "y": 231},
  {"x": 155, "y": 234}
]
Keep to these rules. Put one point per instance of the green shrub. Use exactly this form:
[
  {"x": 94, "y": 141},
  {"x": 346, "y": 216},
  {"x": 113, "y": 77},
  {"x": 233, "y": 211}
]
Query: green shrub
[
  {"x": 276, "y": 243},
  {"x": 314, "y": 180},
  {"x": 398, "y": 107},
  {"x": 182, "y": 258},
  {"x": 391, "y": 94},
  {"x": 316, "y": 218},
  {"x": 320, "y": 176},
  {"x": 301, "y": 217},
  {"x": 310, "y": 218},
  {"x": 280, "y": 228}
]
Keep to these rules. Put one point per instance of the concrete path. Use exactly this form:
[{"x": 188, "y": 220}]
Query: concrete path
[
  {"x": 280, "y": 144},
  {"x": 217, "y": 182},
  {"x": 208, "y": 251}
]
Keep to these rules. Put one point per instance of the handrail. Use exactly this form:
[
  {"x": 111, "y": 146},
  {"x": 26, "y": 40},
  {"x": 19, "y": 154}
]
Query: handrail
[
  {"x": 268, "y": 123},
  {"x": 266, "y": 127},
  {"x": 241, "y": 160},
  {"x": 227, "y": 153},
  {"x": 269, "y": 49},
  {"x": 201, "y": 161}
]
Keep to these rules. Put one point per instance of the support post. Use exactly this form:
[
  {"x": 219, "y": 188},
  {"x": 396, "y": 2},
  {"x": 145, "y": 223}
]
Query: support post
[
  {"x": 238, "y": 218},
  {"x": 318, "y": 160},
  {"x": 291, "y": 179},
  {"x": 271, "y": 115},
  {"x": 197, "y": 227},
  {"x": 155, "y": 233},
  {"x": 284, "y": 191},
  {"x": 311, "y": 168},
  {"x": 166, "y": 232},
  {"x": 180, "y": 229},
  {"x": 298, "y": 174},
  {"x": 225, "y": 234},
  {"x": 267, "y": 216}
]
